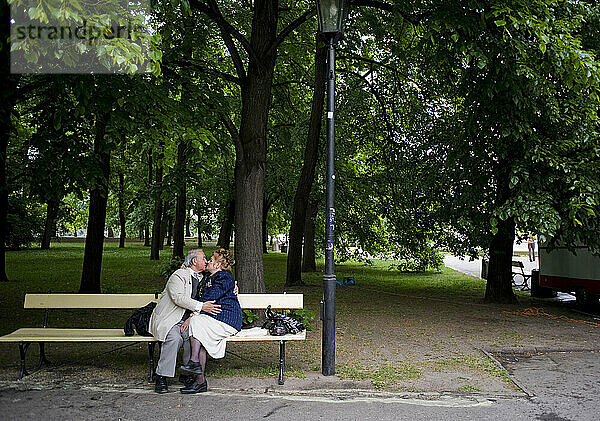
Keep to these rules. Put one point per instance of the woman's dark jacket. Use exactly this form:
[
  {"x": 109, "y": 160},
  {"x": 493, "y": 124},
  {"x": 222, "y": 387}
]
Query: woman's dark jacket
[{"x": 221, "y": 291}]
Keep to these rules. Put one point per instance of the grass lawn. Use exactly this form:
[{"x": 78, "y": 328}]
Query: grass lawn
[{"x": 396, "y": 331}]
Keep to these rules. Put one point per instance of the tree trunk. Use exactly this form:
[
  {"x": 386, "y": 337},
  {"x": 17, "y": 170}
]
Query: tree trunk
[
  {"x": 307, "y": 175},
  {"x": 50, "y": 225},
  {"x": 180, "y": 206},
  {"x": 252, "y": 146},
  {"x": 122, "y": 210},
  {"x": 309, "y": 263},
  {"x": 94, "y": 241},
  {"x": 199, "y": 233},
  {"x": 8, "y": 97},
  {"x": 149, "y": 188},
  {"x": 227, "y": 225},
  {"x": 499, "y": 282},
  {"x": 169, "y": 230},
  {"x": 188, "y": 221},
  {"x": 156, "y": 244},
  {"x": 266, "y": 207},
  {"x": 248, "y": 247},
  {"x": 110, "y": 233},
  {"x": 146, "y": 235}
]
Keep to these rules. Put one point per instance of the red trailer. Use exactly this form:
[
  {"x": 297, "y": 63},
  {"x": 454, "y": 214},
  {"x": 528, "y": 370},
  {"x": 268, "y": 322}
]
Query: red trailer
[{"x": 578, "y": 273}]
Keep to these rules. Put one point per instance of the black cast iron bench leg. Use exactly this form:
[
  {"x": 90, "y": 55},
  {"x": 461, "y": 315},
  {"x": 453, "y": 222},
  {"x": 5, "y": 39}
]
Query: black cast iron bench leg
[
  {"x": 23, "y": 347},
  {"x": 151, "y": 346},
  {"x": 281, "y": 360},
  {"x": 43, "y": 359}
]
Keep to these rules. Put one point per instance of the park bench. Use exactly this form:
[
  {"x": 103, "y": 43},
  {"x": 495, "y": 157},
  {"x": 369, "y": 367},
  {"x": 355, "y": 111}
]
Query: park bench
[
  {"x": 520, "y": 271},
  {"x": 28, "y": 335}
]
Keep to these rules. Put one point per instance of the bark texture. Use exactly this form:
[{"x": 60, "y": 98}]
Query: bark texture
[
  {"x": 499, "y": 283},
  {"x": 156, "y": 242},
  {"x": 226, "y": 230},
  {"x": 94, "y": 241},
  {"x": 309, "y": 263},
  {"x": 122, "y": 210},
  {"x": 251, "y": 149},
  {"x": 180, "y": 206}
]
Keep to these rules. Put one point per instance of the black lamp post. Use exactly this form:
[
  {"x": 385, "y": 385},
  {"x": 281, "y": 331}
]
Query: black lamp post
[{"x": 331, "y": 20}]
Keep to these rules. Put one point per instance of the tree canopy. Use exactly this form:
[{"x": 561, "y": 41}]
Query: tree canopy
[{"x": 459, "y": 127}]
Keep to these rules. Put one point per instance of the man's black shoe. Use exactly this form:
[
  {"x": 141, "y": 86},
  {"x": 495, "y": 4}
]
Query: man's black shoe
[
  {"x": 191, "y": 367},
  {"x": 195, "y": 388},
  {"x": 186, "y": 380},
  {"x": 161, "y": 384}
]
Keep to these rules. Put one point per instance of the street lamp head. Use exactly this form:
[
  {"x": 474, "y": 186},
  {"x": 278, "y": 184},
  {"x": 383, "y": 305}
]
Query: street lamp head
[{"x": 332, "y": 14}]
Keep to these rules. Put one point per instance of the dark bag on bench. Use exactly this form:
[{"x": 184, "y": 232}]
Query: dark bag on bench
[
  {"x": 279, "y": 325},
  {"x": 140, "y": 319}
]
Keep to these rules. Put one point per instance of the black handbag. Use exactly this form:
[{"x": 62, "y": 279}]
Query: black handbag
[
  {"x": 140, "y": 319},
  {"x": 279, "y": 325}
]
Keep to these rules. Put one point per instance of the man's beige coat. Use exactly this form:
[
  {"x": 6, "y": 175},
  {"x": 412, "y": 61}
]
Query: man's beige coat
[{"x": 175, "y": 299}]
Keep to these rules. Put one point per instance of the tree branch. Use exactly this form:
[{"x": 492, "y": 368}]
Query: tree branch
[
  {"x": 233, "y": 131},
  {"x": 204, "y": 69},
  {"x": 228, "y": 32},
  {"x": 414, "y": 19},
  {"x": 290, "y": 28}
]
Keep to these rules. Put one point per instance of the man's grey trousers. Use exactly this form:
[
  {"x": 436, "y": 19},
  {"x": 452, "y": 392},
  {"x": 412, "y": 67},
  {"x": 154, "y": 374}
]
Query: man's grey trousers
[{"x": 170, "y": 347}]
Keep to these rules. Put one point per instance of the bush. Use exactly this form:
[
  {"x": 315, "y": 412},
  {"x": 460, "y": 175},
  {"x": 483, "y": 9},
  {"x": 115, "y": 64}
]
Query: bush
[
  {"x": 25, "y": 222},
  {"x": 426, "y": 258},
  {"x": 167, "y": 268}
]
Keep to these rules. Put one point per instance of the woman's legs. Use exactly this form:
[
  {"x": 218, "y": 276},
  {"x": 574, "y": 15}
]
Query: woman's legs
[
  {"x": 198, "y": 354},
  {"x": 195, "y": 346},
  {"x": 202, "y": 358}
]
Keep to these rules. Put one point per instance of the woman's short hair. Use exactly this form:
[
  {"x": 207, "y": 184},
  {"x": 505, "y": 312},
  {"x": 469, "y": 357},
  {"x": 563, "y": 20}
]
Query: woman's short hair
[{"x": 225, "y": 257}]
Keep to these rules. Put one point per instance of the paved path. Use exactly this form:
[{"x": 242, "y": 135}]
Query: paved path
[
  {"x": 560, "y": 386},
  {"x": 473, "y": 267}
]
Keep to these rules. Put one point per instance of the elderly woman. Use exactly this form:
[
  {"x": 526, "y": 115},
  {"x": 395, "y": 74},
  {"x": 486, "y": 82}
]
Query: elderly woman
[{"x": 209, "y": 331}]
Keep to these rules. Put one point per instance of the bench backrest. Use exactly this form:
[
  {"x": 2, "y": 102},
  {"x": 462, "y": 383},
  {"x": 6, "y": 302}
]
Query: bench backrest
[
  {"x": 88, "y": 300},
  {"x": 248, "y": 301},
  {"x": 256, "y": 301}
]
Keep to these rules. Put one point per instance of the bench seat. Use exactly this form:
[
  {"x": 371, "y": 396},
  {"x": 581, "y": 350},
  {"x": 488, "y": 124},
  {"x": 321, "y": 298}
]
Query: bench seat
[{"x": 50, "y": 334}]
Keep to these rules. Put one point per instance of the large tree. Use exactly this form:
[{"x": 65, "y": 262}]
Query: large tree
[
  {"x": 524, "y": 112},
  {"x": 253, "y": 58}
]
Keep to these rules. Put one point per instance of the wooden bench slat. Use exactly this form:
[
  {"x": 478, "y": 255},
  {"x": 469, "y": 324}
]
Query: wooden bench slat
[
  {"x": 257, "y": 301},
  {"x": 289, "y": 337},
  {"x": 40, "y": 334},
  {"x": 87, "y": 300},
  {"x": 125, "y": 301}
]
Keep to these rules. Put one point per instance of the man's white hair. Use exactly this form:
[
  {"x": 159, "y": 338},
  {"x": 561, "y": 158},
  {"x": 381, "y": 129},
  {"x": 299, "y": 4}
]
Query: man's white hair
[{"x": 190, "y": 256}]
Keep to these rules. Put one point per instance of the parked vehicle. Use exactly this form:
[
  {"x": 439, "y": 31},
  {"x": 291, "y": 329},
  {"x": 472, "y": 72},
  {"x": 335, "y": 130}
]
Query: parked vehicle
[{"x": 578, "y": 273}]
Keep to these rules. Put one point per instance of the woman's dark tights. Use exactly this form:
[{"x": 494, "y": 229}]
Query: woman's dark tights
[{"x": 198, "y": 354}]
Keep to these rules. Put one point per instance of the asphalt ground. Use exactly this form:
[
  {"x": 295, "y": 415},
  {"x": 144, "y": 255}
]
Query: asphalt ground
[{"x": 554, "y": 386}]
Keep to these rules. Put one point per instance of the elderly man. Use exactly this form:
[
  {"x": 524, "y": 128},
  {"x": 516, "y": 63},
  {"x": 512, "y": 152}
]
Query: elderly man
[{"x": 173, "y": 308}]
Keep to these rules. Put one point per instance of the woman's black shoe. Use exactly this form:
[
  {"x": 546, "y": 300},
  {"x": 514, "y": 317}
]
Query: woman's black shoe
[
  {"x": 161, "y": 384},
  {"x": 187, "y": 380},
  {"x": 191, "y": 367},
  {"x": 194, "y": 388}
]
